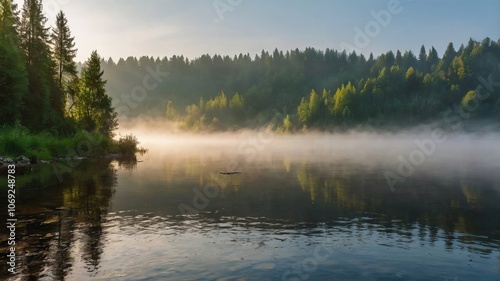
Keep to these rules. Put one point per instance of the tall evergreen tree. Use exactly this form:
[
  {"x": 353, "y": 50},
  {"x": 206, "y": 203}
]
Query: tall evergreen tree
[
  {"x": 63, "y": 50},
  {"x": 93, "y": 109},
  {"x": 448, "y": 57},
  {"x": 432, "y": 59},
  {"x": 13, "y": 77},
  {"x": 9, "y": 20},
  {"x": 422, "y": 59},
  {"x": 34, "y": 44},
  {"x": 34, "y": 35}
]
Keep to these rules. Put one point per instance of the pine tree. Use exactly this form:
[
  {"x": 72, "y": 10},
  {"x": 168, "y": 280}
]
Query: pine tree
[
  {"x": 93, "y": 109},
  {"x": 432, "y": 58},
  {"x": 9, "y": 21},
  {"x": 448, "y": 57},
  {"x": 13, "y": 81},
  {"x": 37, "y": 111},
  {"x": 422, "y": 60},
  {"x": 33, "y": 33},
  {"x": 63, "y": 49}
]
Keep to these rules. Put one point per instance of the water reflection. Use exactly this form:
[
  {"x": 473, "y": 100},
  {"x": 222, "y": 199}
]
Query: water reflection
[
  {"x": 289, "y": 190},
  {"x": 122, "y": 220},
  {"x": 128, "y": 163},
  {"x": 53, "y": 217}
]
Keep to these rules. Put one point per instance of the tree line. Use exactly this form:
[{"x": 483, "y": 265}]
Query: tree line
[
  {"x": 43, "y": 89},
  {"x": 317, "y": 89},
  {"x": 40, "y": 87}
]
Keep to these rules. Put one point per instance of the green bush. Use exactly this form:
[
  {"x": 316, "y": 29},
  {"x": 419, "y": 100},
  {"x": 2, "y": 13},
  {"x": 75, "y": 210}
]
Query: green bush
[
  {"x": 128, "y": 145},
  {"x": 14, "y": 141}
]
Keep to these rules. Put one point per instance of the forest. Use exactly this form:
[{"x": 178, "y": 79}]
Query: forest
[
  {"x": 45, "y": 92},
  {"x": 311, "y": 88},
  {"x": 48, "y": 106}
]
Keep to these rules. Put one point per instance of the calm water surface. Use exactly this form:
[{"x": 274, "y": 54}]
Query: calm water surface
[{"x": 298, "y": 214}]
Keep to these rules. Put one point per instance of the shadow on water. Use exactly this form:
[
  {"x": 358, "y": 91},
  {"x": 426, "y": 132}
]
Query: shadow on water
[{"x": 54, "y": 216}]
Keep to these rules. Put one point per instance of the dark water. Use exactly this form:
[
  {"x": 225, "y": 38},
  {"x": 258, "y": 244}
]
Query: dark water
[{"x": 287, "y": 216}]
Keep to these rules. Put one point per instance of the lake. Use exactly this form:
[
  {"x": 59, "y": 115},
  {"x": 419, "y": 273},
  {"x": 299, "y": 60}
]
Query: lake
[{"x": 253, "y": 206}]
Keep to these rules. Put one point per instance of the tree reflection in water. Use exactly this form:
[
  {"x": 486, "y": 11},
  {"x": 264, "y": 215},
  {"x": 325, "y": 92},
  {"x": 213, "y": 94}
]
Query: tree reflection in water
[
  {"x": 54, "y": 217},
  {"x": 61, "y": 224}
]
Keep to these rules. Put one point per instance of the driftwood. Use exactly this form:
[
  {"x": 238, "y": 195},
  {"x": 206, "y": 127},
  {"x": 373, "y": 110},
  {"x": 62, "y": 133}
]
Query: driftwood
[{"x": 229, "y": 173}]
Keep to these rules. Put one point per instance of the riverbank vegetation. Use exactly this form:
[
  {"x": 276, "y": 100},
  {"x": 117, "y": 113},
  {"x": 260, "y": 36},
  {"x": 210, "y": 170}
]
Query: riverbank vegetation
[{"x": 45, "y": 146}]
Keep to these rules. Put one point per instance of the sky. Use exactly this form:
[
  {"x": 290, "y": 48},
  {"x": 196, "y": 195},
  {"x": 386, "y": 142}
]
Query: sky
[{"x": 159, "y": 28}]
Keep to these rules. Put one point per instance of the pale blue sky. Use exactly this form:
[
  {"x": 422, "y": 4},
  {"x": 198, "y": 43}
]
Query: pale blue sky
[{"x": 122, "y": 28}]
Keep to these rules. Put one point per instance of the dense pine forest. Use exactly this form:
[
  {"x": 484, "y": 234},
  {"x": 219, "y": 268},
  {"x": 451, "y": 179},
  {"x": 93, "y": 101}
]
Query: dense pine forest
[
  {"x": 317, "y": 89},
  {"x": 44, "y": 91}
]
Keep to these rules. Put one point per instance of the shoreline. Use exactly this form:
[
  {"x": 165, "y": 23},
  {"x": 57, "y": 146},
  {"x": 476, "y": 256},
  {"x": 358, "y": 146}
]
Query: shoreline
[{"x": 25, "y": 165}]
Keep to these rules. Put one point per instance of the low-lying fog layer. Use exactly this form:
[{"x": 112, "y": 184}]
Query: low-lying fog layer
[{"x": 366, "y": 148}]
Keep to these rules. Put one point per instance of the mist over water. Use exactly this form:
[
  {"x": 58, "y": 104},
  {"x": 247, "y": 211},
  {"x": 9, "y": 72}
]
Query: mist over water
[
  {"x": 307, "y": 152},
  {"x": 443, "y": 152},
  {"x": 297, "y": 191},
  {"x": 293, "y": 195}
]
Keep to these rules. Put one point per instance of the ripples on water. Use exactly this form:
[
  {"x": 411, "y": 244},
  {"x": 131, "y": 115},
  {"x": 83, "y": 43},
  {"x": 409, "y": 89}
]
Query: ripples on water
[
  {"x": 198, "y": 248},
  {"x": 292, "y": 214}
]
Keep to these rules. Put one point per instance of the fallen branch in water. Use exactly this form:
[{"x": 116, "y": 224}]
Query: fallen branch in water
[{"x": 229, "y": 173}]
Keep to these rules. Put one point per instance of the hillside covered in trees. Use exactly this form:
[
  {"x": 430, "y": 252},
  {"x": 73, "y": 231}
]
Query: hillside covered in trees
[
  {"x": 43, "y": 89},
  {"x": 317, "y": 89}
]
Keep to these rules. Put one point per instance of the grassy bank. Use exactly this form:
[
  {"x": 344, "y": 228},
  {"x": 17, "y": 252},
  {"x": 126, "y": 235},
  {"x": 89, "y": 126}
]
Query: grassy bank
[{"x": 19, "y": 141}]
